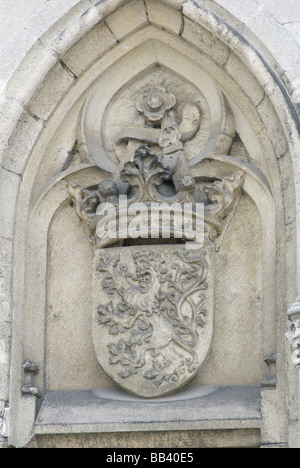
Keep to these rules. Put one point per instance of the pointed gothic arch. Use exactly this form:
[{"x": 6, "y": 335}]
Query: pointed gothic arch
[{"x": 108, "y": 53}]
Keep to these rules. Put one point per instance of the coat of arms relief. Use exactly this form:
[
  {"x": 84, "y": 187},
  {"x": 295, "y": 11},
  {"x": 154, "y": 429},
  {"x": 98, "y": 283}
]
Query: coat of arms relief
[{"x": 154, "y": 228}]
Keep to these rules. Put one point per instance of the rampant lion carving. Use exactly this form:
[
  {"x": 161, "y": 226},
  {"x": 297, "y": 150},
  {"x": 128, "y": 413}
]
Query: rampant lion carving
[{"x": 152, "y": 314}]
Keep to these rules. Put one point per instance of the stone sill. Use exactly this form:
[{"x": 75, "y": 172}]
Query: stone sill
[{"x": 110, "y": 410}]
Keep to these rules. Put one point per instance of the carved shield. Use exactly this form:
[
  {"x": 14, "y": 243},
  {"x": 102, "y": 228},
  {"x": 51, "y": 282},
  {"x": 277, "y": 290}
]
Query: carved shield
[
  {"x": 153, "y": 308},
  {"x": 152, "y": 315}
]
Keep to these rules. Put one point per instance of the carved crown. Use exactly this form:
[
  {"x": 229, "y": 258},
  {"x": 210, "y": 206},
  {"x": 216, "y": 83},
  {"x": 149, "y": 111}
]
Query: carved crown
[{"x": 151, "y": 184}]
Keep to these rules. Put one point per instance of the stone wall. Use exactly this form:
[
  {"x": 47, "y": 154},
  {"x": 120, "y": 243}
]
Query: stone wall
[{"x": 41, "y": 62}]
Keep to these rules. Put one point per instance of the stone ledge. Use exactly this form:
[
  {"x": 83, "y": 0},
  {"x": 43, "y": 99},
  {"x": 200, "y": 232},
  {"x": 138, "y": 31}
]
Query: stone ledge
[
  {"x": 239, "y": 438},
  {"x": 115, "y": 411}
]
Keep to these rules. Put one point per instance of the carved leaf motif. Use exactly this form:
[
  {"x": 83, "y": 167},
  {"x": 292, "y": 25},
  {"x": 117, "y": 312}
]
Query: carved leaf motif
[{"x": 144, "y": 170}]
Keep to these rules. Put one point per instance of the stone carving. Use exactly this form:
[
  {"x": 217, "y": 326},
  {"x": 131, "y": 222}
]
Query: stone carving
[
  {"x": 271, "y": 379},
  {"x": 154, "y": 320},
  {"x": 145, "y": 176},
  {"x": 158, "y": 125},
  {"x": 155, "y": 102},
  {"x": 157, "y": 105},
  {"x": 294, "y": 333},
  {"x": 177, "y": 119},
  {"x": 29, "y": 388},
  {"x": 153, "y": 304}
]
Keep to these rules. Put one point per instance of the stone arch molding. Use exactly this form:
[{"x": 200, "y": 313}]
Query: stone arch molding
[{"x": 241, "y": 132}]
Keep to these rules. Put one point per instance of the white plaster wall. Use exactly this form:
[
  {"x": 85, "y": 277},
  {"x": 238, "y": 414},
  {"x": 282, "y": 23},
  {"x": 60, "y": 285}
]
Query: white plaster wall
[
  {"x": 276, "y": 24},
  {"x": 25, "y": 23}
]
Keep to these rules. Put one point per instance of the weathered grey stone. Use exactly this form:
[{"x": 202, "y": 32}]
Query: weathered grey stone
[
  {"x": 164, "y": 17},
  {"x": 72, "y": 118},
  {"x": 88, "y": 50},
  {"x": 165, "y": 439},
  {"x": 10, "y": 113},
  {"x": 54, "y": 88},
  {"x": 205, "y": 41},
  {"x": 113, "y": 410},
  {"x": 65, "y": 32},
  {"x": 126, "y": 19},
  {"x": 23, "y": 138},
  {"x": 9, "y": 184},
  {"x": 24, "y": 84}
]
